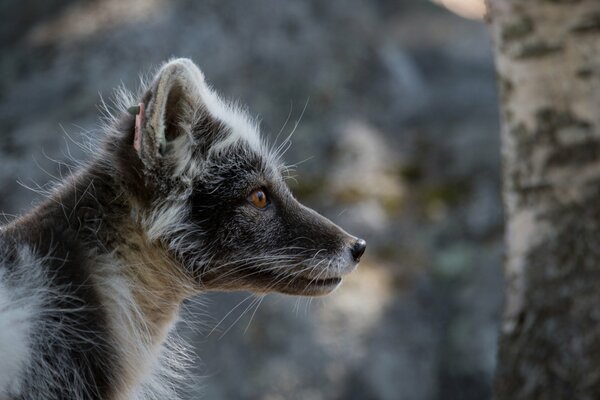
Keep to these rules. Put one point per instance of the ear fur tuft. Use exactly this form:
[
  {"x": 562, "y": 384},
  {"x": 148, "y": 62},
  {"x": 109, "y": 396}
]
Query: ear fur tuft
[{"x": 173, "y": 99}]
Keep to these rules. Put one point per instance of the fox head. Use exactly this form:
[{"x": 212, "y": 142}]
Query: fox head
[{"x": 212, "y": 193}]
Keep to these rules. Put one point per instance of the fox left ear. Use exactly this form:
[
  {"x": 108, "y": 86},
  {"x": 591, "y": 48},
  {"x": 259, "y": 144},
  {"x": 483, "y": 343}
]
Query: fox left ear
[{"x": 170, "y": 106}]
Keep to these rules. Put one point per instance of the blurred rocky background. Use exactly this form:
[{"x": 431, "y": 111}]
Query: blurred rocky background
[{"x": 393, "y": 104}]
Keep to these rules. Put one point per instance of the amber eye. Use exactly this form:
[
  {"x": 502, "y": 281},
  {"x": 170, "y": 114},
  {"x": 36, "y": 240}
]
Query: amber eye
[{"x": 258, "y": 198}]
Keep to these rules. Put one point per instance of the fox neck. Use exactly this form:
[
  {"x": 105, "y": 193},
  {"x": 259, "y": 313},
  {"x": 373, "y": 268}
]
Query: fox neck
[{"x": 139, "y": 283}]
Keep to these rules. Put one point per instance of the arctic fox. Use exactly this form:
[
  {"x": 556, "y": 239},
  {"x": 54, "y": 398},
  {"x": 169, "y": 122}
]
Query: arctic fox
[{"x": 182, "y": 197}]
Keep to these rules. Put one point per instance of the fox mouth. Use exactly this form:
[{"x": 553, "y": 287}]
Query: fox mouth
[
  {"x": 301, "y": 285},
  {"x": 291, "y": 281},
  {"x": 307, "y": 286},
  {"x": 293, "y": 284}
]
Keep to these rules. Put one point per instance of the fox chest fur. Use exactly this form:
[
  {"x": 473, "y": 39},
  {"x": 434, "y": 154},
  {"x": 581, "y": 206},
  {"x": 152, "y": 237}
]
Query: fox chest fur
[{"x": 181, "y": 198}]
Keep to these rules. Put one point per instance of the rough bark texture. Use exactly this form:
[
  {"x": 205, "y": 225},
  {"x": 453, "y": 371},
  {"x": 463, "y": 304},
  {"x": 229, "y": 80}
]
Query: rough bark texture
[{"x": 548, "y": 62}]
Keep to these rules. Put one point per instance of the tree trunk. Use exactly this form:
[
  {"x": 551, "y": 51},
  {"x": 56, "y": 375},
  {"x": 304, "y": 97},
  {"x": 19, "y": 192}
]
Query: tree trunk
[{"x": 548, "y": 62}]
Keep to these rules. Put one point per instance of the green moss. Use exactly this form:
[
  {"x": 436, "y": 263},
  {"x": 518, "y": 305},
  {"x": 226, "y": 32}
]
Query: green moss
[
  {"x": 506, "y": 84},
  {"x": 446, "y": 193},
  {"x": 588, "y": 24},
  {"x": 508, "y": 115},
  {"x": 536, "y": 49},
  {"x": 550, "y": 121},
  {"x": 518, "y": 29},
  {"x": 392, "y": 205},
  {"x": 307, "y": 187},
  {"x": 388, "y": 252},
  {"x": 411, "y": 173},
  {"x": 584, "y": 73},
  {"x": 349, "y": 195},
  {"x": 577, "y": 154},
  {"x": 520, "y": 131}
]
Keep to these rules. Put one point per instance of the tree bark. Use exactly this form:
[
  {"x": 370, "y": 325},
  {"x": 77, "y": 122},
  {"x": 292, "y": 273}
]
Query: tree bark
[{"x": 548, "y": 63}]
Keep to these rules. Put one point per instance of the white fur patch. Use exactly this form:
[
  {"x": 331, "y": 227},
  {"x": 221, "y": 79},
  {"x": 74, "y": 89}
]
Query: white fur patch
[
  {"x": 153, "y": 364},
  {"x": 16, "y": 316},
  {"x": 19, "y": 305},
  {"x": 165, "y": 219},
  {"x": 241, "y": 125}
]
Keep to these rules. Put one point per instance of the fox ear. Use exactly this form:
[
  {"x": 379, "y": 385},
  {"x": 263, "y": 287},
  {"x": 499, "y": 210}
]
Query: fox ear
[{"x": 169, "y": 108}]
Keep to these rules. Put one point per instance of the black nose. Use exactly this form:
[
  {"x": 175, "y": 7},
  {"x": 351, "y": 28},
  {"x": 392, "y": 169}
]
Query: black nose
[{"x": 358, "y": 249}]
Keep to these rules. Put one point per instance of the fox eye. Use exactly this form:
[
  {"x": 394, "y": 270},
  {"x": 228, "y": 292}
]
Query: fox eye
[{"x": 259, "y": 199}]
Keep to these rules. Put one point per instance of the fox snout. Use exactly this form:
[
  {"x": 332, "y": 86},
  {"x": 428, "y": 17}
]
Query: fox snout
[
  {"x": 284, "y": 247},
  {"x": 358, "y": 249},
  {"x": 326, "y": 252}
]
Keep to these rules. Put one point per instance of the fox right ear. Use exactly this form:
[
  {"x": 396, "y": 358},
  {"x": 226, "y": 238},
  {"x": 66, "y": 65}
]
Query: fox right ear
[{"x": 170, "y": 108}]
